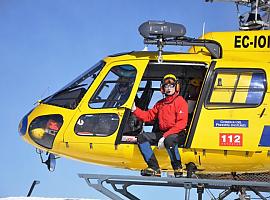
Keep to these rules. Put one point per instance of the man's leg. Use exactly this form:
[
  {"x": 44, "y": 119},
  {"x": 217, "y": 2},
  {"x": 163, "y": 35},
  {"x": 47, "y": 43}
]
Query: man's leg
[
  {"x": 171, "y": 144},
  {"x": 144, "y": 142}
]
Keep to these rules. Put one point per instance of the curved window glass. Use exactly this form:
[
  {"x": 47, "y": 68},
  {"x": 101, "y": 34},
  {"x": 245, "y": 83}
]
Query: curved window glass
[
  {"x": 44, "y": 129},
  {"x": 97, "y": 124},
  {"x": 237, "y": 88},
  {"x": 71, "y": 95},
  {"x": 115, "y": 88}
]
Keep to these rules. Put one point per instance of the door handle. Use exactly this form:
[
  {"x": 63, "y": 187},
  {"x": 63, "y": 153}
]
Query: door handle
[{"x": 262, "y": 113}]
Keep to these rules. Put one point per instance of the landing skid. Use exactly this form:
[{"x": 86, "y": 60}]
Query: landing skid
[{"x": 120, "y": 184}]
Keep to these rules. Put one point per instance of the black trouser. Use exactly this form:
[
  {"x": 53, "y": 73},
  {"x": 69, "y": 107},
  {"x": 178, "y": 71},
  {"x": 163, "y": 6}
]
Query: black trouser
[{"x": 145, "y": 139}]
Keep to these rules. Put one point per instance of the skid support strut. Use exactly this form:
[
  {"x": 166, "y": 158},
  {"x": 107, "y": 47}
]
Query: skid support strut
[{"x": 120, "y": 184}]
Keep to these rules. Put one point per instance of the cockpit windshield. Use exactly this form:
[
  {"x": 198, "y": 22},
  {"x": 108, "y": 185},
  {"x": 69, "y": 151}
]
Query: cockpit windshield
[{"x": 71, "y": 95}]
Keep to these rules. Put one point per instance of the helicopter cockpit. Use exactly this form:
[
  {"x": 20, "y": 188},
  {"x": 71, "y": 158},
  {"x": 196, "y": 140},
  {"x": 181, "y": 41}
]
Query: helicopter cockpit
[
  {"x": 96, "y": 105},
  {"x": 149, "y": 92},
  {"x": 113, "y": 92},
  {"x": 114, "y": 89}
]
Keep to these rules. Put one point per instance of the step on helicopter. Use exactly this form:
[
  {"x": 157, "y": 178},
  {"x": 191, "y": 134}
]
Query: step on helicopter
[{"x": 223, "y": 77}]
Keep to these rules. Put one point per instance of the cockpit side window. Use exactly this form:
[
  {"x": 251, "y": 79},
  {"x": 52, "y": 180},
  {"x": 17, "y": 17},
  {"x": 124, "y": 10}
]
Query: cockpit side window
[
  {"x": 237, "y": 88},
  {"x": 115, "y": 89}
]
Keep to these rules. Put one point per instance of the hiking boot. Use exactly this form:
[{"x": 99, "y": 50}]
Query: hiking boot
[
  {"x": 178, "y": 173},
  {"x": 151, "y": 172}
]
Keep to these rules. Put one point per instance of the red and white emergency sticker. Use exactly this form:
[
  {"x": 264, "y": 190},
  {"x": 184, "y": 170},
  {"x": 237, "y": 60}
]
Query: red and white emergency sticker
[{"x": 230, "y": 139}]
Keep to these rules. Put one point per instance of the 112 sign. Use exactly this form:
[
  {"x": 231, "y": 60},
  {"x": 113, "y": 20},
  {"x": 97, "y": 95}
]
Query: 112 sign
[{"x": 230, "y": 139}]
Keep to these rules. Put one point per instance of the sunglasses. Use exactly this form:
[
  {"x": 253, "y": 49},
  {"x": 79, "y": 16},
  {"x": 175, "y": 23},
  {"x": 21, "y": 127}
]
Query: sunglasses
[{"x": 169, "y": 86}]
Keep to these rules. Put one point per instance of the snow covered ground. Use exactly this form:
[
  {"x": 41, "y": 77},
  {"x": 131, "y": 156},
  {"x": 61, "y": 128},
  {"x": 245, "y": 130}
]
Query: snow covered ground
[{"x": 40, "y": 198}]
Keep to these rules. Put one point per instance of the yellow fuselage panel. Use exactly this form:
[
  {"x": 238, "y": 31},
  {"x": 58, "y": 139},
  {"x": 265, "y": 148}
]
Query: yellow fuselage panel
[
  {"x": 129, "y": 156},
  {"x": 241, "y": 45},
  {"x": 225, "y": 127}
]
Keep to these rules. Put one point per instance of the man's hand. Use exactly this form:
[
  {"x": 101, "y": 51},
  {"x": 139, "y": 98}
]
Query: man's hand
[
  {"x": 133, "y": 107},
  {"x": 161, "y": 143}
]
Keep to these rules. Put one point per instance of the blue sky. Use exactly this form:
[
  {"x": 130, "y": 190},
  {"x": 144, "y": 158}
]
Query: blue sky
[{"x": 46, "y": 44}]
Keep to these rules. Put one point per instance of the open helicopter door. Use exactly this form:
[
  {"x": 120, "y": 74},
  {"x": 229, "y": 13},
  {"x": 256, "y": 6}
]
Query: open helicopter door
[
  {"x": 232, "y": 109},
  {"x": 94, "y": 127}
]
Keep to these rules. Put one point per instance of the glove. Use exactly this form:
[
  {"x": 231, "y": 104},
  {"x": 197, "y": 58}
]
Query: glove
[
  {"x": 133, "y": 107},
  {"x": 161, "y": 143}
]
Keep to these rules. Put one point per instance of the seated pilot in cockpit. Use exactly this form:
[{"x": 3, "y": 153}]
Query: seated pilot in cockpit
[{"x": 123, "y": 89}]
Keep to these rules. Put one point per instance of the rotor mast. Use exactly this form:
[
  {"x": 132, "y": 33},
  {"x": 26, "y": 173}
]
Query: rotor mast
[{"x": 257, "y": 18}]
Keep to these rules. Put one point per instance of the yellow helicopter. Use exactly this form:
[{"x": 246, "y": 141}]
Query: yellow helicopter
[{"x": 223, "y": 76}]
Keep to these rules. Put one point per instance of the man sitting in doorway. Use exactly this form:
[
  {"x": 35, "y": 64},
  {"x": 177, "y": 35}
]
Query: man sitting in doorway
[{"x": 172, "y": 114}]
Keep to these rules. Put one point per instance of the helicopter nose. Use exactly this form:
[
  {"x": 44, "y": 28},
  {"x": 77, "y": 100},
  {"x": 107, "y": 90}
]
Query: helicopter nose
[
  {"x": 44, "y": 128},
  {"x": 23, "y": 125}
]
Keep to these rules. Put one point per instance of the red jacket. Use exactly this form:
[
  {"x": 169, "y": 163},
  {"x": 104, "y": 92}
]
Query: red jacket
[{"x": 172, "y": 113}]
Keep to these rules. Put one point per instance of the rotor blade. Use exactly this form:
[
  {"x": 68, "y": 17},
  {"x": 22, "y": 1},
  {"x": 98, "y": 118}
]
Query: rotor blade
[
  {"x": 266, "y": 17},
  {"x": 237, "y": 1}
]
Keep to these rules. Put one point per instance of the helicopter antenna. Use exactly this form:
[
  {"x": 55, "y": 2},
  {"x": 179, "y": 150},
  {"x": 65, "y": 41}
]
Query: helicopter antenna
[
  {"x": 203, "y": 30},
  {"x": 145, "y": 48},
  {"x": 238, "y": 13},
  {"x": 257, "y": 18}
]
